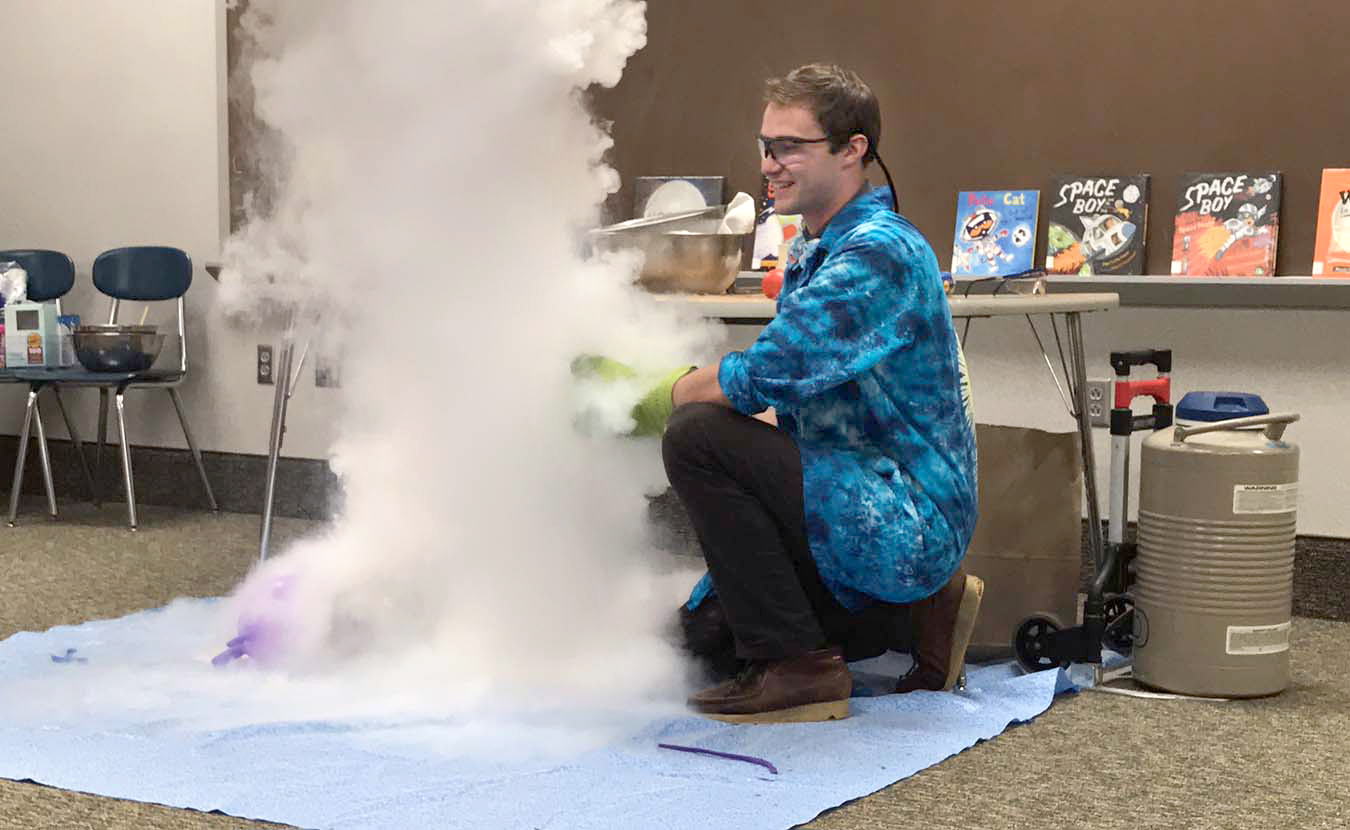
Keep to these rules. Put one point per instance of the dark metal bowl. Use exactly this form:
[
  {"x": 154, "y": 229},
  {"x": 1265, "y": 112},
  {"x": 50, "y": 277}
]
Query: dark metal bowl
[{"x": 115, "y": 348}]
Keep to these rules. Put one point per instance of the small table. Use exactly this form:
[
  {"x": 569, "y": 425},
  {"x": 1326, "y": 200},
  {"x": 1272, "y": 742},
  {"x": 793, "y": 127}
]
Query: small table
[{"x": 758, "y": 310}]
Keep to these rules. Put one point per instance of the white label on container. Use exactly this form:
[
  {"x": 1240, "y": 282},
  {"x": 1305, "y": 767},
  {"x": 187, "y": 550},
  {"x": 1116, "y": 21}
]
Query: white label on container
[
  {"x": 1265, "y": 498},
  {"x": 1258, "y": 639}
]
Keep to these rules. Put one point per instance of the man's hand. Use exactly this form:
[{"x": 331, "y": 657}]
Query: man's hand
[
  {"x": 652, "y": 411},
  {"x": 699, "y": 386}
]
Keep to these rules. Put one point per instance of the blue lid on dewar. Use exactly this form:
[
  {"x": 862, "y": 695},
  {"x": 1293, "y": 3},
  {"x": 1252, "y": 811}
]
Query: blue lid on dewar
[{"x": 1220, "y": 406}]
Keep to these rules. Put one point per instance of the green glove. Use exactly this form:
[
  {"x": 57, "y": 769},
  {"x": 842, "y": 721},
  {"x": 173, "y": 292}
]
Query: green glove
[
  {"x": 604, "y": 368},
  {"x": 652, "y": 411}
]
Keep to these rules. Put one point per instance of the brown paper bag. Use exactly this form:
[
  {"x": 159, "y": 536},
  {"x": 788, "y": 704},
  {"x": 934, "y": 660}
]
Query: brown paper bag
[{"x": 1027, "y": 544}]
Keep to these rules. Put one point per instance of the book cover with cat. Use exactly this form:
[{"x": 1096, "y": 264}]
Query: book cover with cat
[{"x": 995, "y": 233}]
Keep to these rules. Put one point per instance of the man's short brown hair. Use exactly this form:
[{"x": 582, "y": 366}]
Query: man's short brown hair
[{"x": 842, "y": 104}]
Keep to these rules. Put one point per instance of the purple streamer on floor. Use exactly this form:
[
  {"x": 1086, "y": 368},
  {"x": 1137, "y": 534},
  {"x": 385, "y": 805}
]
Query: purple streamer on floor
[{"x": 730, "y": 756}]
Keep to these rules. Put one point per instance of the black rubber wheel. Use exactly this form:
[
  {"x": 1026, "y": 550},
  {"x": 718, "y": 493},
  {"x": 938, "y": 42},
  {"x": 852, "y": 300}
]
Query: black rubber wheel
[
  {"x": 1119, "y": 632},
  {"x": 1029, "y": 643}
]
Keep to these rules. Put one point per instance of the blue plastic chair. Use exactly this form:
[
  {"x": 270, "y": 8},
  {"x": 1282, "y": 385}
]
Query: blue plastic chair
[
  {"x": 141, "y": 274},
  {"x": 51, "y": 275}
]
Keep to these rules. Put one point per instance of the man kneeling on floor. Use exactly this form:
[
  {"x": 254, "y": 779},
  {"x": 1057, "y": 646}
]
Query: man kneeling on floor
[{"x": 862, "y": 498}]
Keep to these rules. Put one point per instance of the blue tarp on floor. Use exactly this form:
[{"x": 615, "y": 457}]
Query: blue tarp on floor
[{"x": 333, "y": 773}]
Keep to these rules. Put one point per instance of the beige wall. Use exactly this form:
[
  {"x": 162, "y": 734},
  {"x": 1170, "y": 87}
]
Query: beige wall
[
  {"x": 113, "y": 135},
  {"x": 120, "y": 104}
]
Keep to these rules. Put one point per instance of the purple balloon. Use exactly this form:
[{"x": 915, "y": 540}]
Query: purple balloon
[{"x": 264, "y": 624}]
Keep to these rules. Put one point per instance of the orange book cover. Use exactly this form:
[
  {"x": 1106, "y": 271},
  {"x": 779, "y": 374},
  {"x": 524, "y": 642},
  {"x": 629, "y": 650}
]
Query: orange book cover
[
  {"x": 1331, "y": 250},
  {"x": 1227, "y": 224}
]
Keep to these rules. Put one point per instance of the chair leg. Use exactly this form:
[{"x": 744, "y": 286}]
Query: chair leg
[
  {"x": 102, "y": 426},
  {"x": 126, "y": 461},
  {"x": 79, "y": 447},
  {"x": 192, "y": 445},
  {"x": 19, "y": 459}
]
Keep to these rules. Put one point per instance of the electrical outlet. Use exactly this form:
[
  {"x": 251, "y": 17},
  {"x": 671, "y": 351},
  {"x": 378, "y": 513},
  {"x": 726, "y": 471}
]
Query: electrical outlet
[
  {"x": 1099, "y": 403},
  {"x": 265, "y": 365},
  {"x": 327, "y": 372}
]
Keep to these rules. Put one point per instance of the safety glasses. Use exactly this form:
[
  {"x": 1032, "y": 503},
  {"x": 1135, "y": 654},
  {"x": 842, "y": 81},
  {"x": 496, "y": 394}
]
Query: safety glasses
[{"x": 785, "y": 149}]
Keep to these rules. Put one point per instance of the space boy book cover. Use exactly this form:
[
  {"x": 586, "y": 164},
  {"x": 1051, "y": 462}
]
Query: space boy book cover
[
  {"x": 995, "y": 233},
  {"x": 1331, "y": 249},
  {"x": 1096, "y": 224},
  {"x": 1227, "y": 224}
]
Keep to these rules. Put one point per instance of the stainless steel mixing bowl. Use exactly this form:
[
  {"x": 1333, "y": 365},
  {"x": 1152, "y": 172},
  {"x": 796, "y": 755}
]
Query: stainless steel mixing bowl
[
  {"x": 682, "y": 252},
  {"x": 117, "y": 348}
]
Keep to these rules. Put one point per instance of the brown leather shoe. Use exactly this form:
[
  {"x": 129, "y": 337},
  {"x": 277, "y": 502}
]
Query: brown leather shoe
[
  {"x": 813, "y": 687},
  {"x": 944, "y": 623}
]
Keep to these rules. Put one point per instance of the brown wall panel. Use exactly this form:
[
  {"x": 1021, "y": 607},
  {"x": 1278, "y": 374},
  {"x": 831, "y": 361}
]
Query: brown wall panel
[{"x": 978, "y": 94}]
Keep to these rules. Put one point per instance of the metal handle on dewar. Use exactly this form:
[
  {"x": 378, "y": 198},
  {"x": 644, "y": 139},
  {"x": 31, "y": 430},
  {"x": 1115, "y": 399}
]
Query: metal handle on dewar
[{"x": 1275, "y": 426}]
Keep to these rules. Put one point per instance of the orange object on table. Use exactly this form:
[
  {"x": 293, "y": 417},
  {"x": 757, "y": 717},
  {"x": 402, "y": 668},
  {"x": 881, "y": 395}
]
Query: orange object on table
[{"x": 772, "y": 283}]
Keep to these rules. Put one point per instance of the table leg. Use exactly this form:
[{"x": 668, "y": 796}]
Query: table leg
[
  {"x": 21, "y": 457},
  {"x": 102, "y": 427},
  {"x": 281, "y": 375},
  {"x": 79, "y": 447},
  {"x": 128, "y": 483},
  {"x": 44, "y": 457},
  {"x": 1074, "y": 329}
]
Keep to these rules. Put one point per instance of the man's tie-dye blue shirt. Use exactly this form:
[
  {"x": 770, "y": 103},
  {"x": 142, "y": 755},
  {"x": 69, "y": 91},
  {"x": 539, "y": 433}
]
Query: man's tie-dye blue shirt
[{"x": 861, "y": 365}]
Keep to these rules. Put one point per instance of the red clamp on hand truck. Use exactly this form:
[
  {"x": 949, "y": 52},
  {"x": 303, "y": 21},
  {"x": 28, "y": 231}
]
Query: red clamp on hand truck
[{"x": 1040, "y": 641}]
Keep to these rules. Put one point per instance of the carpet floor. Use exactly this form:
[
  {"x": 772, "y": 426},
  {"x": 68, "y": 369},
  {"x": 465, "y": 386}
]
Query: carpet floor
[{"x": 1093, "y": 760}]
